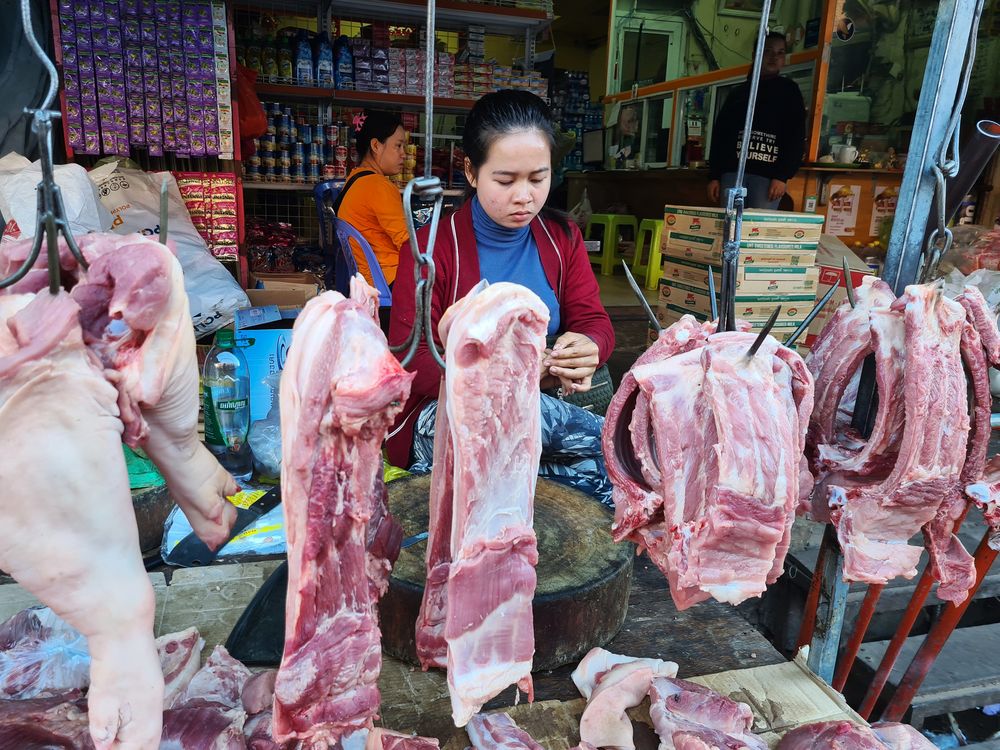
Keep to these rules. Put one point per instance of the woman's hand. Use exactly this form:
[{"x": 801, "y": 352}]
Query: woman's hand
[{"x": 573, "y": 359}]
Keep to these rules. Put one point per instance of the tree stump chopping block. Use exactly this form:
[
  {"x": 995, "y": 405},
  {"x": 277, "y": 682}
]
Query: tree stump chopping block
[{"x": 584, "y": 578}]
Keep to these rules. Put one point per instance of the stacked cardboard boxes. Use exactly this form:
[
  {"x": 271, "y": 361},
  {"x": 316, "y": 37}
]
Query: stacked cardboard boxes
[{"x": 776, "y": 267}]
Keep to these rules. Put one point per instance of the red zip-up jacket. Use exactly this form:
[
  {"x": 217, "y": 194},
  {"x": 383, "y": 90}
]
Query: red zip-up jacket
[{"x": 456, "y": 262}]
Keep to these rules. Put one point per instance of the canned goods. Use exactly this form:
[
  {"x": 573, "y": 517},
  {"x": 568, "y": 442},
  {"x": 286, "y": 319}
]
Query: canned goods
[
  {"x": 305, "y": 133},
  {"x": 287, "y": 112},
  {"x": 341, "y": 154},
  {"x": 344, "y": 136},
  {"x": 267, "y": 143},
  {"x": 269, "y": 177},
  {"x": 253, "y": 173},
  {"x": 272, "y": 129},
  {"x": 329, "y": 172},
  {"x": 298, "y": 172},
  {"x": 293, "y": 132},
  {"x": 298, "y": 153},
  {"x": 284, "y": 126},
  {"x": 354, "y": 155},
  {"x": 274, "y": 108},
  {"x": 332, "y": 134},
  {"x": 339, "y": 171},
  {"x": 268, "y": 161},
  {"x": 318, "y": 135},
  {"x": 312, "y": 173},
  {"x": 254, "y": 161},
  {"x": 284, "y": 160}
]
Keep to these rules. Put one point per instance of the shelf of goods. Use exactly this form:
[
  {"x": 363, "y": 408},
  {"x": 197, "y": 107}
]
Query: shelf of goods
[
  {"x": 360, "y": 98},
  {"x": 494, "y": 19}
]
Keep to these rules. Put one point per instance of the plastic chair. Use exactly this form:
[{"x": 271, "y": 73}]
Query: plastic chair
[
  {"x": 610, "y": 226},
  {"x": 341, "y": 265},
  {"x": 651, "y": 229}
]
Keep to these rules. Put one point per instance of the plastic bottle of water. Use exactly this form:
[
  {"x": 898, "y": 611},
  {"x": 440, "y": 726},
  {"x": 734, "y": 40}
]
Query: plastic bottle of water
[{"x": 226, "y": 384}]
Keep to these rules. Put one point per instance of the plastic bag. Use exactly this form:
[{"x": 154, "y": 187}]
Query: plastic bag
[
  {"x": 266, "y": 536},
  {"x": 19, "y": 179},
  {"x": 133, "y": 197},
  {"x": 45, "y": 657},
  {"x": 265, "y": 434}
]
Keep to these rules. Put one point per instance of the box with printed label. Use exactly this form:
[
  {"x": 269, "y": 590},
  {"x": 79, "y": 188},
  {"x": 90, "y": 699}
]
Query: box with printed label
[
  {"x": 667, "y": 315},
  {"x": 709, "y": 251},
  {"x": 757, "y": 225},
  {"x": 794, "y": 307},
  {"x": 264, "y": 335},
  {"x": 749, "y": 279},
  {"x": 829, "y": 264}
]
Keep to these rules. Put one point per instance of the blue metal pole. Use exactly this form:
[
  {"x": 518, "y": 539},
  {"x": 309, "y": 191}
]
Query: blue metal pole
[{"x": 945, "y": 63}]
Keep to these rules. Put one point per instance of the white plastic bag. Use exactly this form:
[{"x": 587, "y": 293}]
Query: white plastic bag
[
  {"x": 47, "y": 656},
  {"x": 19, "y": 180},
  {"x": 265, "y": 434},
  {"x": 133, "y": 197}
]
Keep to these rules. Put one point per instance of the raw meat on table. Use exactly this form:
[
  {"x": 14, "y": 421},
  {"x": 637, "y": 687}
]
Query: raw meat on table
[
  {"x": 688, "y": 715},
  {"x": 704, "y": 447},
  {"x": 605, "y": 722},
  {"x": 598, "y": 662},
  {"x": 80, "y": 558},
  {"x": 40, "y": 655},
  {"x": 340, "y": 390},
  {"x": 498, "y": 732},
  {"x": 219, "y": 683},
  {"x": 54, "y": 723},
  {"x": 483, "y": 491},
  {"x": 180, "y": 660},
  {"x": 845, "y": 735}
]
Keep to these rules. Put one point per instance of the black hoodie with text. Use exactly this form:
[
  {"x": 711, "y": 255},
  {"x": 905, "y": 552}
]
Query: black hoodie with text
[{"x": 778, "y": 136}]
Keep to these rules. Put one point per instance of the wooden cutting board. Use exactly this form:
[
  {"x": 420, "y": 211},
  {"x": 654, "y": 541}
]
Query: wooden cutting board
[
  {"x": 782, "y": 696},
  {"x": 583, "y": 576}
]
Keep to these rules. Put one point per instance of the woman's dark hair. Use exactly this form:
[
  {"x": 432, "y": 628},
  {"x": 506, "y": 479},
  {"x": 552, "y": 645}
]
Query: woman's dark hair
[
  {"x": 502, "y": 113},
  {"x": 776, "y": 36},
  {"x": 377, "y": 124}
]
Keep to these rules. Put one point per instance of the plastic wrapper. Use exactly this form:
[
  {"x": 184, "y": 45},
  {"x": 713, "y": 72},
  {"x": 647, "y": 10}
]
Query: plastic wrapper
[
  {"x": 265, "y": 434},
  {"x": 974, "y": 247},
  {"x": 41, "y": 656},
  {"x": 266, "y": 536}
]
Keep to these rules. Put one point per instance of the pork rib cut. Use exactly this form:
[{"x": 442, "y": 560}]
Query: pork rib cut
[
  {"x": 494, "y": 338},
  {"x": 384, "y": 739},
  {"x": 845, "y": 735},
  {"x": 707, "y": 465},
  {"x": 340, "y": 390},
  {"x": 690, "y": 716},
  {"x": 81, "y": 559}
]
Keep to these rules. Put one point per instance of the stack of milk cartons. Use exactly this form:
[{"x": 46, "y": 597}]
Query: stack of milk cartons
[{"x": 776, "y": 265}]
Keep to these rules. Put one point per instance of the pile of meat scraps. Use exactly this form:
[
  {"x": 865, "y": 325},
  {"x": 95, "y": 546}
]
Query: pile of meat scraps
[
  {"x": 475, "y": 617},
  {"x": 114, "y": 350},
  {"x": 340, "y": 391},
  {"x": 684, "y": 714},
  {"x": 704, "y": 446},
  {"x": 926, "y": 450},
  {"x": 845, "y": 735},
  {"x": 218, "y": 706}
]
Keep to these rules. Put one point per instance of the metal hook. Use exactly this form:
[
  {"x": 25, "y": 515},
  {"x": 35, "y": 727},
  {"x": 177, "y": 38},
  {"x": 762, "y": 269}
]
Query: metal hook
[
  {"x": 711, "y": 294},
  {"x": 642, "y": 299},
  {"x": 764, "y": 332},
  {"x": 812, "y": 314},
  {"x": 848, "y": 283}
]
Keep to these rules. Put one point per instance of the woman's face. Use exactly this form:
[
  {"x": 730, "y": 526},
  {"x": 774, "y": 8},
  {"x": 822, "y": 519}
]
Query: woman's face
[
  {"x": 513, "y": 183},
  {"x": 390, "y": 155}
]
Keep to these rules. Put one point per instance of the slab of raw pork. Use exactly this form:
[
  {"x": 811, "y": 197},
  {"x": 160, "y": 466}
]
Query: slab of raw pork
[
  {"x": 499, "y": 732},
  {"x": 81, "y": 559},
  {"x": 688, "y": 716},
  {"x": 180, "y": 659},
  {"x": 40, "y": 655},
  {"x": 598, "y": 662},
  {"x": 340, "y": 390},
  {"x": 57, "y": 722},
  {"x": 845, "y": 735},
  {"x": 707, "y": 465},
  {"x": 908, "y": 475},
  {"x": 494, "y": 340}
]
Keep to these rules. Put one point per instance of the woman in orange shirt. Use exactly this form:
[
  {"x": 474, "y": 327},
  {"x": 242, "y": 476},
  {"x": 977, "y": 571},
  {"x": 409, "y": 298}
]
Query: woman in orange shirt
[{"x": 374, "y": 205}]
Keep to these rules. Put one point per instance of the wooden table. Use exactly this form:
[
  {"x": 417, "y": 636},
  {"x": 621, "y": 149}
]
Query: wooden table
[{"x": 708, "y": 638}]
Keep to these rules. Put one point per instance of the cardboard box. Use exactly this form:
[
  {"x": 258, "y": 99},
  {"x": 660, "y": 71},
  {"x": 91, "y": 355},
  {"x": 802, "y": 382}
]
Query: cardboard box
[
  {"x": 750, "y": 307},
  {"x": 667, "y": 315},
  {"x": 264, "y": 334},
  {"x": 757, "y": 225},
  {"x": 284, "y": 290},
  {"x": 829, "y": 261},
  {"x": 708, "y": 250},
  {"x": 749, "y": 279}
]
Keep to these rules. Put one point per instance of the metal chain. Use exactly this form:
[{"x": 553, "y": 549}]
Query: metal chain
[
  {"x": 51, "y": 220},
  {"x": 428, "y": 189},
  {"x": 940, "y": 240}
]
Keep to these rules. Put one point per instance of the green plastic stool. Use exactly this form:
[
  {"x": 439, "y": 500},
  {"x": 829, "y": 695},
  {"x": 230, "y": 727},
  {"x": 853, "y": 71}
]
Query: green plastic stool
[
  {"x": 610, "y": 226},
  {"x": 651, "y": 229}
]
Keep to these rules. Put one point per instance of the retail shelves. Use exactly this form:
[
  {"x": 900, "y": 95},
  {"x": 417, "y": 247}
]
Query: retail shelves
[
  {"x": 495, "y": 19},
  {"x": 364, "y": 98},
  {"x": 303, "y": 187}
]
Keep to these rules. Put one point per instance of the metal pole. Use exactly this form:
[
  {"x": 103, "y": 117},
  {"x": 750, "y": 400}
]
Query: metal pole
[
  {"x": 945, "y": 64},
  {"x": 429, "y": 83},
  {"x": 829, "y": 613}
]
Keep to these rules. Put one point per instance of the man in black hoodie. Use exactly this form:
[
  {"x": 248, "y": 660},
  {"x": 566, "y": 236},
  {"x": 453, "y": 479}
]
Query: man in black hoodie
[{"x": 777, "y": 140}]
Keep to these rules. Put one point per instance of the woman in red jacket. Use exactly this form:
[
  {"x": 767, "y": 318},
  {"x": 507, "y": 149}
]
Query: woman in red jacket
[{"x": 504, "y": 233}]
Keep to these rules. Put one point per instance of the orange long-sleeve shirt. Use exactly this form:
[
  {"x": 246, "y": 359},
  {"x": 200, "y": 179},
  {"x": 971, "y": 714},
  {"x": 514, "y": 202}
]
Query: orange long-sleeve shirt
[{"x": 374, "y": 207}]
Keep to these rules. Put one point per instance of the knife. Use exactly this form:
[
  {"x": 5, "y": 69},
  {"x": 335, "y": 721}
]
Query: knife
[
  {"x": 415, "y": 539},
  {"x": 191, "y": 551}
]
